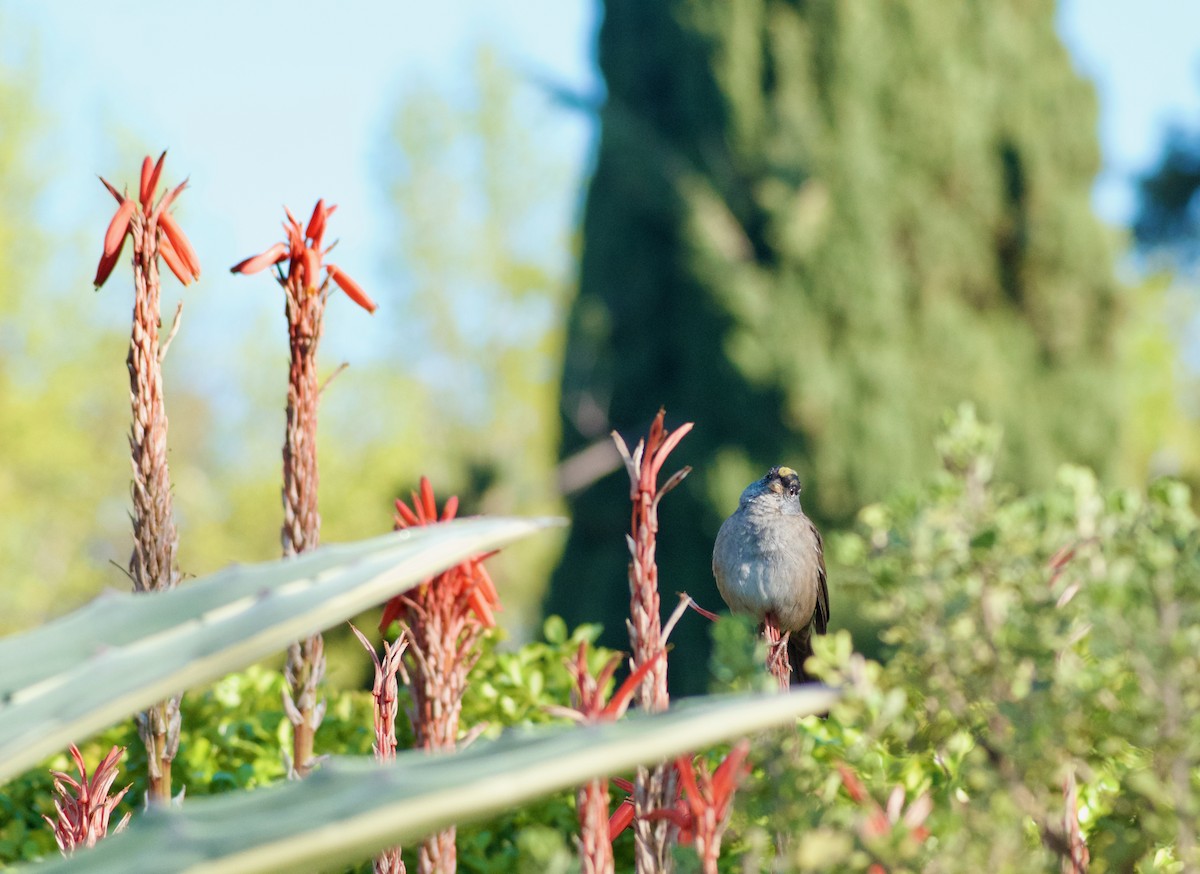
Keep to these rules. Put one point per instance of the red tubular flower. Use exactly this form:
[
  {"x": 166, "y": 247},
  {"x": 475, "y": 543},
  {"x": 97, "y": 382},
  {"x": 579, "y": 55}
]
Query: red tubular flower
[
  {"x": 181, "y": 271},
  {"x": 622, "y": 817},
  {"x": 180, "y": 243},
  {"x": 353, "y": 289},
  {"x": 149, "y": 180},
  {"x": 316, "y": 224},
  {"x": 255, "y": 263},
  {"x": 302, "y": 249},
  {"x": 107, "y": 262},
  {"x": 114, "y": 237}
]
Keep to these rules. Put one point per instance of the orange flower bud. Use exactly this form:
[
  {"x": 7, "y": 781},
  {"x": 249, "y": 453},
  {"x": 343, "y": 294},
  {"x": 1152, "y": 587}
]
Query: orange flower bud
[
  {"x": 316, "y": 224},
  {"x": 174, "y": 261},
  {"x": 150, "y": 179},
  {"x": 262, "y": 261},
  {"x": 312, "y": 270},
  {"x": 621, "y": 818},
  {"x": 107, "y": 262},
  {"x": 481, "y": 608},
  {"x": 352, "y": 288},
  {"x": 180, "y": 243},
  {"x": 118, "y": 227}
]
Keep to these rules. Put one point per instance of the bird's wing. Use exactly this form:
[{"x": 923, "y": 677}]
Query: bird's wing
[{"x": 821, "y": 614}]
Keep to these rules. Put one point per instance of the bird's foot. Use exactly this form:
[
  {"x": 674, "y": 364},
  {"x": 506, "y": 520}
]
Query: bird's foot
[{"x": 777, "y": 655}]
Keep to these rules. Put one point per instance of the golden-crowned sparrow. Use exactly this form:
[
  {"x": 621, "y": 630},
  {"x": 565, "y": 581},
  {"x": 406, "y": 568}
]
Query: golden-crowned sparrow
[{"x": 769, "y": 564}]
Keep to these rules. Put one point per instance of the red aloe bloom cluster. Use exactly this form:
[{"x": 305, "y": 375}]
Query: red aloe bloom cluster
[
  {"x": 142, "y": 219},
  {"x": 305, "y": 258},
  {"x": 465, "y": 591},
  {"x": 879, "y": 820},
  {"x": 702, "y": 804},
  {"x": 591, "y": 705},
  {"x": 441, "y": 621},
  {"x": 654, "y": 787},
  {"x": 85, "y": 806}
]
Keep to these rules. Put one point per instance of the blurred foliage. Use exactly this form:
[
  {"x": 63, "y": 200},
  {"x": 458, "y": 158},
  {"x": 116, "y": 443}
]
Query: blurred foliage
[
  {"x": 64, "y": 408},
  {"x": 465, "y": 389},
  {"x": 1029, "y": 638},
  {"x": 811, "y": 228},
  {"x": 1161, "y": 436}
]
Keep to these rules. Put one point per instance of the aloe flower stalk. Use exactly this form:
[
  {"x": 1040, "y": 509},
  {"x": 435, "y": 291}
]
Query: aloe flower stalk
[
  {"x": 385, "y": 692},
  {"x": 441, "y": 621},
  {"x": 85, "y": 806},
  {"x": 590, "y": 705},
  {"x": 152, "y": 566},
  {"x": 306, "y": 291},
  {"x": 655, "y": 786}
]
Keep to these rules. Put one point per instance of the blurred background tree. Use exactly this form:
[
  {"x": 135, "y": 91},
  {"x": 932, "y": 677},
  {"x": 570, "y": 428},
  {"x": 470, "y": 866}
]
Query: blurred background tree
[
  {"x": 1168, "y": 219},
  {"x": 465, "y": 387},
  {"x": 812, "y": 228},
  {"x": 64, "y": 458}
]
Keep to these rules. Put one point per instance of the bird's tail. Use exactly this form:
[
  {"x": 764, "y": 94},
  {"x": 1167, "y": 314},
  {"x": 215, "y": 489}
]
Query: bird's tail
[{"x": 799, "y": 648}]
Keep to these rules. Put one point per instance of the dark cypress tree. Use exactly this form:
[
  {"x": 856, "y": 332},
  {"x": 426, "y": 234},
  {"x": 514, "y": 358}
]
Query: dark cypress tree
[
  {"x": 1168, "y": 218},
  {"x": 813, "y": 227}
]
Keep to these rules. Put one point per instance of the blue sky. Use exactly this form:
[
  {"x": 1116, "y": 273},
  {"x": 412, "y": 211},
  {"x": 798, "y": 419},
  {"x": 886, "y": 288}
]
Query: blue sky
[
  {"x": 265, "y": 103},
  {"x": 1145, "y": 60}
]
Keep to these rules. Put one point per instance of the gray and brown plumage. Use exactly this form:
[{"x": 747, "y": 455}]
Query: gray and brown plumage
[{"x": 769, "y": 563}]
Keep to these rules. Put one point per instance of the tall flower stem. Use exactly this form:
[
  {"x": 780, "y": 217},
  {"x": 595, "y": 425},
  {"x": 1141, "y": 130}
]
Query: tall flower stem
[
  {"x": 385, "y": 692},
  {"x": 152, "y": 566},
  {"x": 155, "y": 540},
  {"x": 301, "y": 529},
  {"x": 591, "y": 706},
  {"x": 441, "y": 622},
  {"x": 655, "y": 787},
  {"x": 305, "y": 294}
]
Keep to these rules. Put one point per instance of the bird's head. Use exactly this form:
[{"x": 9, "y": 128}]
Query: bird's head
[{"x": 779, "y": 490}]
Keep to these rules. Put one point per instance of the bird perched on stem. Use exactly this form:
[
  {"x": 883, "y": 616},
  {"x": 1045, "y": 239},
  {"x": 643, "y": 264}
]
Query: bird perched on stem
[{"x": 769, "y": 563}]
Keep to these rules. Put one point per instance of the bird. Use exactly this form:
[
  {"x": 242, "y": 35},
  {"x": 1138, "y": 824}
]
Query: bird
[{"x": 769, "y": 564}]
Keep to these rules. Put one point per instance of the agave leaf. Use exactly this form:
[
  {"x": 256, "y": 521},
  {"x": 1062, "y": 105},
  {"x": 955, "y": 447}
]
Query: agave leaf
[
  {"x": 352, "y": 808},
  {"x": 80, "y": 673}
]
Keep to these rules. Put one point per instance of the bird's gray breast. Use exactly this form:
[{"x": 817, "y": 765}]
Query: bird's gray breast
[{"x": 767, "y": 563}]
